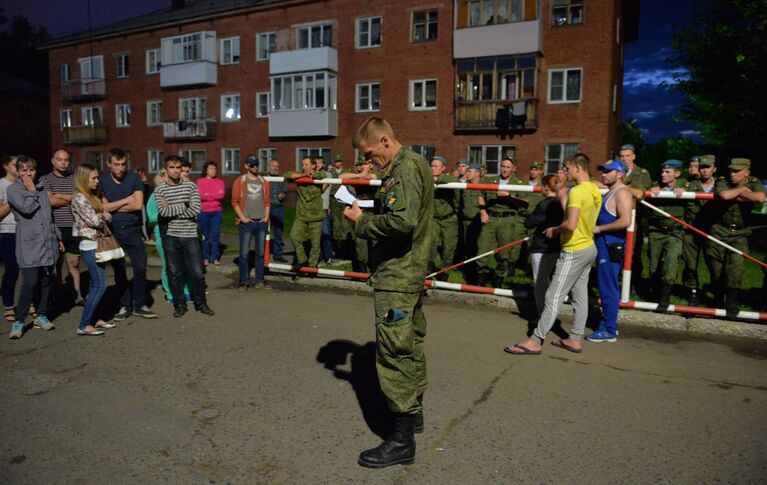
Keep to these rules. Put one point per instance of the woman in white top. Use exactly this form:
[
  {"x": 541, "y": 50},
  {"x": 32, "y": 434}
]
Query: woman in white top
[{"x": 8, "y": 240}]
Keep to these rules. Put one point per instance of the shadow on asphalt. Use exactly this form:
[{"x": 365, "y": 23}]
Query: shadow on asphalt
[{"x": 363, "y": 378}]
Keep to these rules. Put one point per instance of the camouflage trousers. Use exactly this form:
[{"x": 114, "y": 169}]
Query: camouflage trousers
[
  {"x": 497, "y": 232},
  {"x": 445, "y": 240},
  {"x": 302, "y": 231},
  {"x": 692, "y": 246},
  {"x": 726, "y": 266},
  {"x": 400, "y": 359},
  {"x": 665, "y": 251}
]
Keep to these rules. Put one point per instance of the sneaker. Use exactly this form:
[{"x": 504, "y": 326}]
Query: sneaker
[
  {"x": 42, "y": 322},
  {"x": 79, "y": 300},
  {"x": 263, "y": 285},
  {"x": 16, "y": 331},
  {"x": 145, "y": 312},
  {"x": 105, "y": 325},
  {"x": 243, "y": 287},
  {"x": 206, "y": 310},
  {"x": 123, "y": 314},
  {"x": 601, "y": 336}
]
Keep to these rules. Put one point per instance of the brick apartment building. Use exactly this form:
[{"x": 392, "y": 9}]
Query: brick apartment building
[{"x": 483, "y": 79}]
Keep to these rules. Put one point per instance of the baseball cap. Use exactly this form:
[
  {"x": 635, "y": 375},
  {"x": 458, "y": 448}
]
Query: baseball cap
[
  {"x": 707, "y": 160},
  {"x": 612, "y": 165},
  {"x": 252, "y": 160}
]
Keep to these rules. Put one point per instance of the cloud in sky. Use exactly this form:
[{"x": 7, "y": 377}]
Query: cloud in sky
[{"x": 654, "y": 77}]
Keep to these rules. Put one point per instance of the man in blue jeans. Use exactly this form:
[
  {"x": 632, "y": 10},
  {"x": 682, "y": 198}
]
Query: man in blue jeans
[
  {"x": 124, "y": 197},
  {"x": 277, "y": 212},
  {"x": 250, "y": 200},
  {"x": 178, "y": 204}
]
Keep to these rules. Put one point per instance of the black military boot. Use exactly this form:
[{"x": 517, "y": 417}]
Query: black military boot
[
  {"x": 694, "y": 299},
  {"x": 732, "y": 303},
  {"x": 418, "y": 428},
  {"x": 497, "y": 281},
  {"x": 481, "y": 279},
  {"x": 664, "y": 299},
  {"x": 397, "y": 449}
]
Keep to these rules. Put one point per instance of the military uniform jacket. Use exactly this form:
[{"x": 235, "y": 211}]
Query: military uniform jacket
[
  {"x": 309, "y": 206},
  {"x": 639, "y": 179},
  {"x": 469, "y": 203},
  {"x": 496, "y": 204},
  {"x": 399, "y": 230},
  {"x": 675, "y": 207},
  {"x": 445, "y": 200},
  {"x": 732, "y": 216}
]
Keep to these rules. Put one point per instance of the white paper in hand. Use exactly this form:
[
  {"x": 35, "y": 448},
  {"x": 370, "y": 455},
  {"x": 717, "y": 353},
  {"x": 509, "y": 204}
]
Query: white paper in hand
[{"x": 345, "y": 197}]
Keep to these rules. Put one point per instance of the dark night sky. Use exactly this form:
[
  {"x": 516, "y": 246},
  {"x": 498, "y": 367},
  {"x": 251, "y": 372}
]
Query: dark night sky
[{"x": 645, "y": 60}]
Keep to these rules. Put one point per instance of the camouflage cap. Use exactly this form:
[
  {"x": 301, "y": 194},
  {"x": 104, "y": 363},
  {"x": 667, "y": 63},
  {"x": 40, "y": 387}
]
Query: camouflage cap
[
  {"x": 707, "y": 160},
  {"x": 338, "y": 157},
  {"x": 627, "y": 146},
  {"x": 536, "y": 164},
  {"x": 360, "y": 161},
  {"x": 740, "y": 164}
]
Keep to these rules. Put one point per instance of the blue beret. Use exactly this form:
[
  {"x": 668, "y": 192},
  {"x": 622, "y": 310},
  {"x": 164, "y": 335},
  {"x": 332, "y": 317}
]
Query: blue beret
[
  {"x": 463, "y": 161},
  {"x": 475, "y": 166},
  {"x": 672, "y": 163},
  {"x": 441, "y": 159},
  {"x": 627, "y": 146}
]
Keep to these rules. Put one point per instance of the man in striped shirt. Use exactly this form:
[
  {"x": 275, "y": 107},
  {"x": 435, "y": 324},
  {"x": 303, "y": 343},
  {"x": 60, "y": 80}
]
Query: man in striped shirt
[
  {"x": 178, "y": 204},
  {"x": 60, "y": 185}
]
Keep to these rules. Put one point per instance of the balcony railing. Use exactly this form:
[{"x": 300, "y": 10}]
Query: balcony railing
[
  {"x": 85, "y": 135},
  {"x": 505, "y": 116},
  {"x": 203, "y": 129},
  {"x": 83, "y": 89}
]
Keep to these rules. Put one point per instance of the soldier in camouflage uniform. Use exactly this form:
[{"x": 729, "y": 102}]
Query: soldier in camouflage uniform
[
  {"x": 341, "y": 228},
  {"x": 499, "y": 213},
  {"x": 665, "y": 235},
  {"x": 309, "y": 213},
  {"x": 363, "y": 170},
  {"x": 638, "y": 181},
  {"x": 400, "y": 248},
  {"x": 738, "y": 194},
  {"x": 470, "y": 222},
  {"x": 699, "y": 215},
  {"x": 445, "y": 222}
]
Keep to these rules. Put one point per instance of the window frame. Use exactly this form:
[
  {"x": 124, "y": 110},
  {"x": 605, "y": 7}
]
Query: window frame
[
  {"x": 62, "y": 124},
  {"x": 358, "y": 97},
  {"x": 231, "y": 40},
  {"x": 65, "y": 73},
  {"x": 150, "y": 68},
  {"x": 565, "y": 150},
  {"x": 358, "y": 32},
  {"x": 190, "y": 151},
  {"x": 126, "y": 122},
  {"x": 322, "y": 26},
  {"x": 568, "y": 5},
  {"x": 122, "y": 66},
  {"x": 565, "y": 71},
  {"x": 267, "y": 36},
  {"x": 266, "y": 155},
  {"x": 426, "y": 23},
  {"x": 288, "y": 91},
  {"x": 155, "y": 155},
  {"x": 224, "y": 104},
  {"x": 235, "y": 161},
  {"x": 426, "y": 151},
  {"x": 411, "y": 94},
  {"x": 503, "y": 150},
  {"x": 91, "y": 110},
  {"x": 200, "y": 107},
  {"x": 312, "y": 152},
  {"x": 268, "y": 95},
  {"x": 149, "y": 110}
]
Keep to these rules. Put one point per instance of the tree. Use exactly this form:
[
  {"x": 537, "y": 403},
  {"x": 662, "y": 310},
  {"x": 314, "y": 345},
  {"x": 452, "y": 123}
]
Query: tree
[
  {"x": 632, "y": 135},
  {"x": 723, "y": 50},
  {"x": 20, "y": 44}
]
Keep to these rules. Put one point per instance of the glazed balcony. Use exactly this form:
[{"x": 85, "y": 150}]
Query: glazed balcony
[
  {"x": 190, "y": 130},
  {"x": 85, "y": 135},
  {"x": 519, "y": 116}
]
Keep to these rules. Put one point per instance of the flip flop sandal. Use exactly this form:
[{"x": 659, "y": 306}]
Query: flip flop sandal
[
  {"x": 562, "y": 345},
  {"x": 525, "y": 350},
  {"x": 10, "y": 315}
]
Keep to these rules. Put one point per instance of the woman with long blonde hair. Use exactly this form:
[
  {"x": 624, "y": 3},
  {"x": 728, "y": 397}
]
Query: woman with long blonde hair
[{"x": 89, "y": 220}]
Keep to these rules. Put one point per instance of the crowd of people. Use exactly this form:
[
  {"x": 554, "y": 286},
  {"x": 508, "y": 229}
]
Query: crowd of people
[{"x": 59, "y": 218}]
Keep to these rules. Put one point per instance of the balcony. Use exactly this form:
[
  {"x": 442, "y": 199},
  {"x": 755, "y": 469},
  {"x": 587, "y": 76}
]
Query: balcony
[
  {"x": 187, "y": 74},
  {"x": 83, "y": 90},
  {"x": 303, "y": 122},
  {"x": 497, "y": 40},
  {"x": 85, "y": 135},
  {"x": 319, "y": 59},
  {"x": 497, "y": 116},
  {"x": 189, "y": 60},
  {"x": 190, "y": 130}
]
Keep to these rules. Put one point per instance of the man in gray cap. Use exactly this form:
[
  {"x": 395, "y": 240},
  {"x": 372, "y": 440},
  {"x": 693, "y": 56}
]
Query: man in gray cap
[
  {"x": 693, "y": 168},
  {"x": 445, "y": 219},
  {"x": 698, "y": 214},
  {"x": 738, "y": 194}
]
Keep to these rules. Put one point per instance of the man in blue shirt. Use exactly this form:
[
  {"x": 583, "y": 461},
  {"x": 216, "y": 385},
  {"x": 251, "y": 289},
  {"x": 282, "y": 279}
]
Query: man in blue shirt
[{"x": 124, "y": 197}]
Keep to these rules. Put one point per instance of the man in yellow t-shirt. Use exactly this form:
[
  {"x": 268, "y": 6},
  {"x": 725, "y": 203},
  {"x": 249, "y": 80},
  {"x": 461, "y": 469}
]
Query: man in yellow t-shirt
[{"x": 572, "y": 271}]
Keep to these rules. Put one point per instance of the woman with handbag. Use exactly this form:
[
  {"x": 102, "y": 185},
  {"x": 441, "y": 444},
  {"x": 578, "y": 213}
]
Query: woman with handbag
[{"x": 90, "y": 220}]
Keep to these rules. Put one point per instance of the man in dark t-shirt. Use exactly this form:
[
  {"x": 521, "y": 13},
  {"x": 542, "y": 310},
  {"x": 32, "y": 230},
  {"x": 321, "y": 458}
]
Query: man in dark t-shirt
[{"x": 124, "y": 199}]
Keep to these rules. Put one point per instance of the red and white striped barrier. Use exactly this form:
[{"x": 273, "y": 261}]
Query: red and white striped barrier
[
  {"x": 318, "y": 271},
  {"x": 694, "y": 310}
]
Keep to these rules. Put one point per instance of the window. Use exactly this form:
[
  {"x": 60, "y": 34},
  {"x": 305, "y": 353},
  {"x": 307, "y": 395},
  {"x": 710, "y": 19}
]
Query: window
[
  {"x": 557, "y": 154},
  {"x": 64, "y": 73},
  {"x": 230, "y": 50},
  {"x": 304, "y": 91},
  {"x": 95, "y": 159},
  {"x": 92, "y": 67},
  {"x": 197, "y": 157},
  {"x": 186, "y": 48},
  {"x": 153, "y": 61},
  {"x": 156, "y": 160},
  {"x": 503, "y": 78},
  {"x": 368, "y": 97},
  {"x": 313, "y": 36},
  {"x": 192, "y": 109},
  {"x": 123, "y": 114},
  {"x": 564, "y": 12},
  {"x": 565, "y": 85},
  {"x": 65, "y": 118},
  {"x": 230, "y": 107},
  {"x": 425, "y": 25},
  {"x": 476, "y": 13},
  {"x": 93, "y": 116},
  {"x": 491, "y": 155},
  {"x": 122, "y": 65},
  {"x": 230, "y": 160},
  {"x": 301, "y": 153},
  {"x": 266, "y": 43},
  {"x": 426, "y": 151},
  {"x": 262, "y": 104},
  {"x": 423, "y": 94},
  {"x": 153, "y": 113},
  {"x": 265, "y": 155},
  {"x": 368, "y": 32}
]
